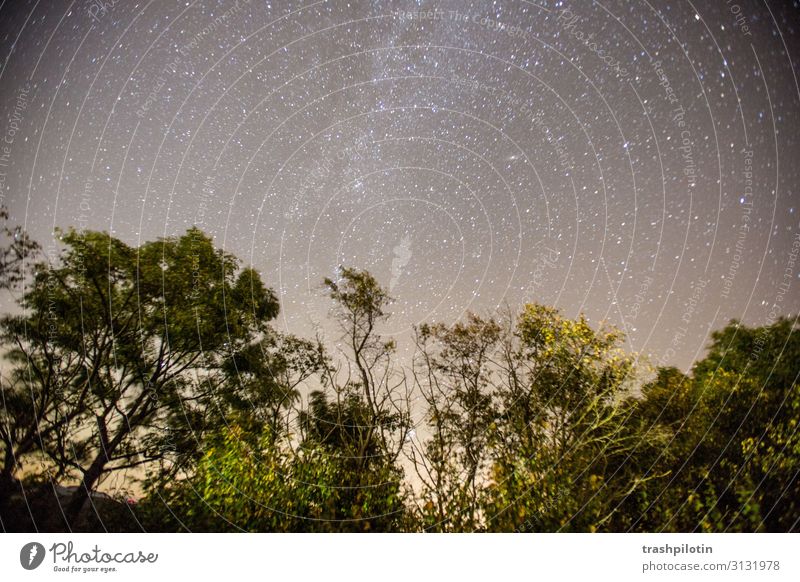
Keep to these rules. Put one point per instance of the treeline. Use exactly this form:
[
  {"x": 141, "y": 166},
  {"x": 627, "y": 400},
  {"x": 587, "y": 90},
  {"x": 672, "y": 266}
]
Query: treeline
[{"x": 154, "y": 370}]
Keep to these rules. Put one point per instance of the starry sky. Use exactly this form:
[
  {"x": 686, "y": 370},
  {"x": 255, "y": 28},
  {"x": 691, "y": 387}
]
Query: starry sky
[{"x": 636, "y": 161}]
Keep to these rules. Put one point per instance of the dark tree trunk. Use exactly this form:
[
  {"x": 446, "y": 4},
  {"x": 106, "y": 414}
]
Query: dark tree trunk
[
  {"x": 78, "y": 499},
  {"x": 8, "y": 484}
]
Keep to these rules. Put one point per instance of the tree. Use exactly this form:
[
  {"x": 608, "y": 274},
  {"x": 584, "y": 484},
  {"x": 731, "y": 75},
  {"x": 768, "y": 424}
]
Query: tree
[
  {"x": 126, "y": 341},
  {"x": 263, "y": 379},
  {"x": 455, "y": 367},
  {"x": 161, "y": 356},
  {"x": 361, "y": 418},
  {"x": 330, "y": 466},
  {"x": 561, "y": 437},
  {"x": 242, "y": 483},
  {"x": 731, "y": 460},
  {"x": 17, "y": 253},
  {"x": 359, "y": 307},
  {"x": 366, "y": 483}
]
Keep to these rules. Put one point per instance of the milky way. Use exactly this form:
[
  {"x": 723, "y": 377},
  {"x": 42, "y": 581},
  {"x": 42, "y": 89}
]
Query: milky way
[{"x": 635, "y": 161}]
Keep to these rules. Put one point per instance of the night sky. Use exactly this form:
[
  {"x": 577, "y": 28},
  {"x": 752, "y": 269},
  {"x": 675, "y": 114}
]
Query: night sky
[{"x": 636, "y": 161}]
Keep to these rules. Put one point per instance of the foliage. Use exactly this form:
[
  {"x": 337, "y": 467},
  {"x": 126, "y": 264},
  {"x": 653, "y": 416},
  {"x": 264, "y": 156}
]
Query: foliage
[
  {"x": 730, "y": 462},
  {"x": 17, "y": 253},
  {"x": 160, "y": 358},
  {"x": 110, "y": 346},
  {"x": 261, "y": 486}
]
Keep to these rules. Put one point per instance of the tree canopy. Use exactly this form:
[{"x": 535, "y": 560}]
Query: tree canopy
[{"x": 157, "y": 365}]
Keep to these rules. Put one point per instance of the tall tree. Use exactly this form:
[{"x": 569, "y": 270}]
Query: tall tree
[
  {"x": 137, "y": 334},
  {"x": 362, "y": 416},
  {"x": 340, "y": 472},
  {"x": 730, "y": 461},
  {"x": 455, "y": 367},
  {"x": 562, "y": 436},
  {"x": 360, "y": 307}
]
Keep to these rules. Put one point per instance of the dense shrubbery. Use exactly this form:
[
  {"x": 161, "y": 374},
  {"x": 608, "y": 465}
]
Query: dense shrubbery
[{"x": 158, "y": 365}]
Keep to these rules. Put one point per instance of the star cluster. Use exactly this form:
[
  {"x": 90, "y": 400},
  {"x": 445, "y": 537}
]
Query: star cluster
[{"x": 635, "y": 161}]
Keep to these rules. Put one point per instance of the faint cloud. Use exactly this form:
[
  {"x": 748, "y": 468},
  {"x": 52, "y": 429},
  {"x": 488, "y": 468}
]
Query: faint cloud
[{"x": 402, "y": 255}]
